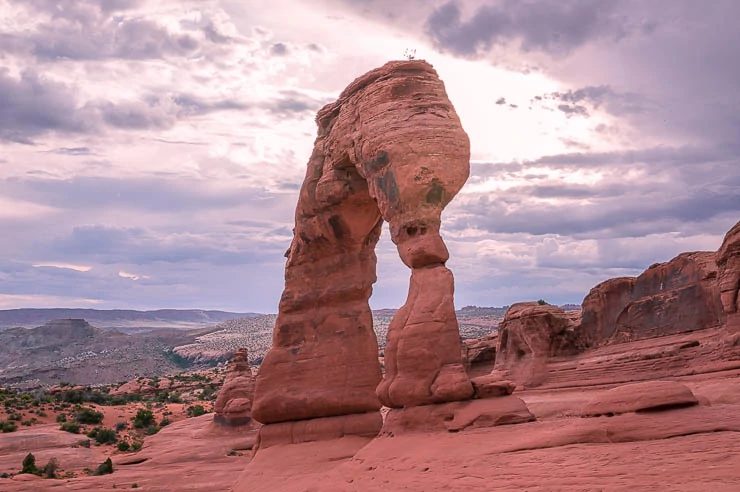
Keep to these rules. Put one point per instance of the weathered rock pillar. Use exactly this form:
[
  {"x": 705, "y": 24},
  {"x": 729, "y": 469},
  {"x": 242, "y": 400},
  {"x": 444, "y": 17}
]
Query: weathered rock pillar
[{"x": 390, "y": 148}]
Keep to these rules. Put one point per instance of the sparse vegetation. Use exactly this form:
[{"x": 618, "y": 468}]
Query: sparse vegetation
[
  {"x": 105, "y": 468},
  {"x": 196, "y": 411},
  {"x": 51, "y": 468},
  {"x": 72, "y": 427},
  {"x": 103, "y": 435},
  {"x": 89, "y": 416},
  {"x": 144, "y": 418},
  {"x": 8, "y": 426}
]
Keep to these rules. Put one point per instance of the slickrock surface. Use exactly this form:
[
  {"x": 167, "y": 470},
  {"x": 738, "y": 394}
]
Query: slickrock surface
[{"x": 390, "y": 148}]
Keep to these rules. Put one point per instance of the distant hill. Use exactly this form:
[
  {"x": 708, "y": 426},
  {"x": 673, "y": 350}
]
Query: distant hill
[
  {"x": 76, "y": 351},
  {"x": 123, "y": 319}
]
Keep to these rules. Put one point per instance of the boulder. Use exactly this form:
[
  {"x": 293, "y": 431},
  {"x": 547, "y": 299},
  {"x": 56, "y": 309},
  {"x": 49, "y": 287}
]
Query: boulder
[
  {"x": 480, "y": 350},
  {"x": 491, "y": 385},
  {"x": 640, "y": 397},
  {"x": 530, "y": 334},
  {"x": 391, "y": 148}
]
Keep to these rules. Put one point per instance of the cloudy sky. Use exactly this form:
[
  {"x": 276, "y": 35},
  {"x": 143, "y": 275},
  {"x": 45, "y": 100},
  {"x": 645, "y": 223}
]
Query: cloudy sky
[{"x": 151, "y": 150}]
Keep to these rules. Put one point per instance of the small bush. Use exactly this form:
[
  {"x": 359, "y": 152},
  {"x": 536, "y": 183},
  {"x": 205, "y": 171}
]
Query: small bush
[
  {"x": 8, "y": 426},
  {"x": 50, "y": 469},
  {"x": 196, "y": 411},
  {"x": 542, "y": 302},
  {"x": 144, "y": 418},
  {"x": 103, "y": 435},
  {"x": 136, "y": 446},
  {"x": 29, "y": 465},
  {"x": 164, "y": 422},
  {"x": 151, "y": 430},
  {"x": 121, "y": 426},
  {"x": 72, "y": 427},
  {"x": 61, "y": 418},
  {"x": 89, "y": 416},
  {"x": 123, "y": 446},
  {"x": 105, "y": 468}
]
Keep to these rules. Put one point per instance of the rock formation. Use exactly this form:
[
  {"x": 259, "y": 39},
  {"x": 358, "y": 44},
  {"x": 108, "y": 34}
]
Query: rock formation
[
  {"x": 233, "y": 405},
  {"x": 640, "y": 397},
  {"x": 530, "y": 334},
  {"x": 728, "y": 262},
  {"x": 390, "y": 148},
  {"x": 693, "y": 291}
]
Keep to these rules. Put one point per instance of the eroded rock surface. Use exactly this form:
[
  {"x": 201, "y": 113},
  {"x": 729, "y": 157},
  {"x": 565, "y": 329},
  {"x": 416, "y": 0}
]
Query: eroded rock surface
[
  {"x": 532, "y": 333},
  {"x": 677, "y": 296},
  {"x": 233, "y": 406},
  {"x": 390, "y": 148},
  {"x": 640, "y": 397},
  {"x": 728, "y": 262}
]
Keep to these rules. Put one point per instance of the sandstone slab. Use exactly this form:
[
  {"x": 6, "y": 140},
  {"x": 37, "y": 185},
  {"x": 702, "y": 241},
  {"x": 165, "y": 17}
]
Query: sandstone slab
[{"x": 640, "y": 397}]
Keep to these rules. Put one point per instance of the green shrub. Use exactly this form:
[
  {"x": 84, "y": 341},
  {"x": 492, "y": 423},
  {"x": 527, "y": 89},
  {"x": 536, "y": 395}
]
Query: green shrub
[
  {"x": 8, "y": 426},
  {"x": 136, "y": 446},
  {"x": 105, "y": 436},
  {"x": 89, "y": 416},
  {"x": 151, "y": 430},
  {"x": 543, "y": 302},
  {"x": 29, "y": 465},
  {"x": 72, "y": 427},
  {"x": 105, "y": 468},
  {"x": 196, "y": 411},
  {"x": 123, "y": 446},
  {"x": 144, "y": 418},
  {"x": 121, "y": 426},
  {"x": 61, "y": 418},
  {"x": 164, "y": 422}
]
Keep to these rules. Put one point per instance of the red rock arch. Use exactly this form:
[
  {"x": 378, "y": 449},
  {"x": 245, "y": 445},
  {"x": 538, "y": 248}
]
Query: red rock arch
[{"x": 391, "y": 148}]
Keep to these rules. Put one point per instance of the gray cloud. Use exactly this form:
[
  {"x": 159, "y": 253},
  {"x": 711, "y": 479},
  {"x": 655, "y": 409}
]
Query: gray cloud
[
  {"x": 174, "y": 195},
  {"x": 32, "y": 105},
  {"x": 678, "y": 189},
  {"x": 552, "y": 27},
  {"x": 89, "y": 30}
]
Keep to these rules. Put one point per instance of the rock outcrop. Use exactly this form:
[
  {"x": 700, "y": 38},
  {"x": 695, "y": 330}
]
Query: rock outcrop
[
  {"x": 649, "y": 396},
  {"x": 678, "y": 296},
  {"x": 728, "y": 262},
  {"x": 391, "y": 148},
  {"x": 602, "y": 306},
  {"x": 233, "y": 406},
  {"x": 530, "y": 334}
]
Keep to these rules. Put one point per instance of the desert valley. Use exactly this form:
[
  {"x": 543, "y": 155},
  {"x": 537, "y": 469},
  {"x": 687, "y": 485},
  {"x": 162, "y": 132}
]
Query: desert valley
[{"x": 636, "y": 388}]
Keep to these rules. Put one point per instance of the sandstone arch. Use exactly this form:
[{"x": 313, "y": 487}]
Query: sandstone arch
[{"x": 391, "y": 148}]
